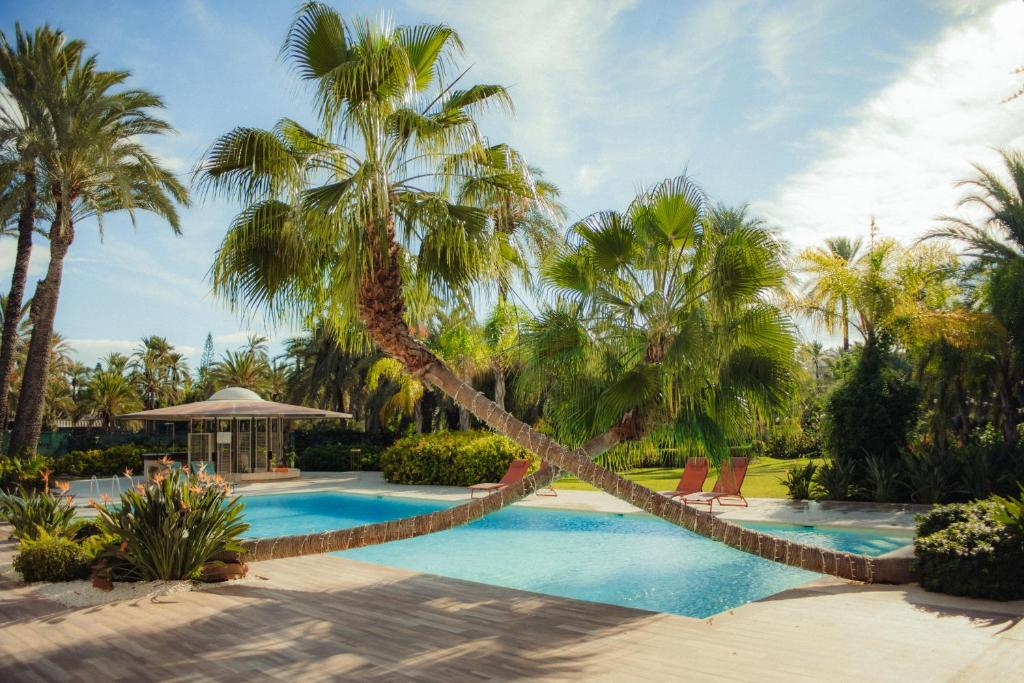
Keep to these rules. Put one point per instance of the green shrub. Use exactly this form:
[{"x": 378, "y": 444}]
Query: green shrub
[
  {"x": 798, "y": 481},
  {"x": 834, "y": 480},
  {"x": 34, "y": 512},
  {"x": 339, "y": 458},
  {"x": 23, "y": 473},
  {"x": 931, "y": 475},
  {"x": 883, "y": 482},
  {"x": 170, "y": 527},
  {"x": 791, "y": 446},
  {"x": 51, "y": 558},
  {"x": 102, "y": 463},
  {"x": 450, "y": 458},
  {"x": 966, "y": 549}
]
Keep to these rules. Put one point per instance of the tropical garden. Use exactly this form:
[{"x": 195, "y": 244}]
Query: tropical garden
[{"x": 439, "y": 292}]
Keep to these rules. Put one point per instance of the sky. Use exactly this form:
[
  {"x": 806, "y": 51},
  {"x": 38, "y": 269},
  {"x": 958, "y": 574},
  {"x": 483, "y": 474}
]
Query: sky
[{"x": 819, "y": 114}]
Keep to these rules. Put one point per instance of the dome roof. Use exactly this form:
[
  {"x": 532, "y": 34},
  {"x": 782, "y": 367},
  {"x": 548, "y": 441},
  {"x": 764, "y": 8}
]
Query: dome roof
[{"x": 235, "y": 394}]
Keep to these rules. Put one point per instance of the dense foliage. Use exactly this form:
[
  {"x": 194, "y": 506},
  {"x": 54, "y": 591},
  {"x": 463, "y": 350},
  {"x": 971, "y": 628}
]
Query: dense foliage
[
  {"x": 106, "y": 462},
  {"x": 970, "y": 549},
  {"x": 339, "y": 458},
  {"x": 450, "y": 458}
]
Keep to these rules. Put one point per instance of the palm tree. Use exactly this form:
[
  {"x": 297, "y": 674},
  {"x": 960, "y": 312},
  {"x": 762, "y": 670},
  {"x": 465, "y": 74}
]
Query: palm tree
[
  {"x": 832, "y": 273},
  {"x": 324, "y": 372},
  {"x": 44, "y": 54},
  {"x": 408, "y": 391},
  {"x": 241, "y": 369},
  {"x": 325, "y": 217},
  {"x": 459, "y": 341},
  {"x": 666, "y": 320},
  {"x": 996, "y": 246},
  {"x": 110, "y": 394},
  {"x": 92, "y": 162}
]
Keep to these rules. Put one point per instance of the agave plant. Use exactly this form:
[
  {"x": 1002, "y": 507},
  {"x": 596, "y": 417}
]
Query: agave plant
[{"x": 170, "y": 527}]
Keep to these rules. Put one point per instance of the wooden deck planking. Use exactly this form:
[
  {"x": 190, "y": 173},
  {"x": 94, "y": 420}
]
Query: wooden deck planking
[{"x": 327, "y": 618}]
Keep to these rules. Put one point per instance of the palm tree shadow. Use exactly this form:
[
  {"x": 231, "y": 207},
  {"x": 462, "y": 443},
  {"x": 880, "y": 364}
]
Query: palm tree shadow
[{"x": 420, "y": 626}]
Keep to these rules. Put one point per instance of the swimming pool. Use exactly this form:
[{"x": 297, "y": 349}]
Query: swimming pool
[{"x": 630, "y": 560}]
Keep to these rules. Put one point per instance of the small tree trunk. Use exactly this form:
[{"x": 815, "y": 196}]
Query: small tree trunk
[
  {"x": 12, "y": 313},
  {"x": 29, "y": 421},
  {"x": 499, "y": 386},
  {"x": 846, "y": 325},
  {"x": 463, "y": 418}
]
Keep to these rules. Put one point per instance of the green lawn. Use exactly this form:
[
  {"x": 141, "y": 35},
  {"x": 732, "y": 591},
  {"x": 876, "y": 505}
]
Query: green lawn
[{"x": 762, "y": 478}]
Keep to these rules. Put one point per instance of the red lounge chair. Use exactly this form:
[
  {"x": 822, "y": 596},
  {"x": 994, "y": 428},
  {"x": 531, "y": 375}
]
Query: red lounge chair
[
  {"x": 730, "y": 481},
  {"x": 516, "y": 471},
  {"x": 692, "y": 481}
]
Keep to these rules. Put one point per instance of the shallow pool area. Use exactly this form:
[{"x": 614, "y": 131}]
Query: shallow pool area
[{"x": 632, "y": 560}]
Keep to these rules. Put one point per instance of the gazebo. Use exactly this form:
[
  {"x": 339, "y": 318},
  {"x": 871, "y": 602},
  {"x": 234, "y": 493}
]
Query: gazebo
[{"x": 235, "y": 433}]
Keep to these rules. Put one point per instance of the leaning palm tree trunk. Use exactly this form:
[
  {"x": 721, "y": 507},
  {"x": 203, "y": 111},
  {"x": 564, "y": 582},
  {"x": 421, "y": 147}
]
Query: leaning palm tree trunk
[
  {"x": 29, "y": 420},
  {"x": 12, "y": 314},
  {"x": 382, "y": 307}
]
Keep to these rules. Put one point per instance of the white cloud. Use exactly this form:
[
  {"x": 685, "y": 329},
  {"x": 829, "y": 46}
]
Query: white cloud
[
  {"x": 781, "y": 33},
  {"x": 912, "y": 140}
]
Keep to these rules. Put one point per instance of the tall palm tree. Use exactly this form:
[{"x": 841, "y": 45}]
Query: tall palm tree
[
  {"x": 324, "y": 372},
  {"x": 524, "y": 218},
  {"x": 241, "y": 369},
  {"x": 327, "y": 218},
  {"x": 24, "y": 68},
  {"x": 92, "y": 162},
  {"x": 110, "y": 394},
  {"x": 832, "y": 272},
  {"x": 996, "y": 246}
]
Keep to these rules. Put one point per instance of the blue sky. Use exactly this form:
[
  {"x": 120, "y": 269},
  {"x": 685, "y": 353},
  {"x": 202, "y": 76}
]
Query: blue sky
[{"x": 819, "y": 114}]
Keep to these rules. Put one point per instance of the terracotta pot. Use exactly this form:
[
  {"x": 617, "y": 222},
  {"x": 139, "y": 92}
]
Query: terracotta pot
[
  {"x": 215, "y": 572},
  {"x": 102, "y": 582}
]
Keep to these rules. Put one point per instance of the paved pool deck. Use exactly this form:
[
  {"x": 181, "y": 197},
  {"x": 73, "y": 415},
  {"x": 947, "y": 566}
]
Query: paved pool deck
[{"x": 324, "y": 618}]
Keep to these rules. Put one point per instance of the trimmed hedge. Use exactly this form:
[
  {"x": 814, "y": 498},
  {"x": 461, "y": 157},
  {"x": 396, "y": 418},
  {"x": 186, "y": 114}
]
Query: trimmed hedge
[
  {"x": 964, "y": 549},
  {"x": 450, "y": 458},
  {"x": 339, "y": 458},
  {"x": 105, "y": 462}
]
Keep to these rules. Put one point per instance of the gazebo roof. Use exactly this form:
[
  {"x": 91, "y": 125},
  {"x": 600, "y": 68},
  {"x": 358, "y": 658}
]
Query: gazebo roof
[{"x": 233, "y": 402}]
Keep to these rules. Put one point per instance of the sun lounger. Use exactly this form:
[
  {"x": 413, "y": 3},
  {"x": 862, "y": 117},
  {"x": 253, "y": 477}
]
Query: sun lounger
[
  {"x": 516, "y": 471},
  {"x": 692, "y": 479},
  {"x": 730, "y": 481}
]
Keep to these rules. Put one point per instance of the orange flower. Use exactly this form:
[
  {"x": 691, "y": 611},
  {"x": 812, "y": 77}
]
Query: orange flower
[
  {"x": 124, "y": 546},
  {"x": 158, "y": 477},
  {"x": 105, "y": 498},
  {"x": 63, "y": 485},
  {"x": 128, "y": 472}
]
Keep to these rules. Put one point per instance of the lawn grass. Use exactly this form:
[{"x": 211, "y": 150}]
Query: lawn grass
[{"x": 762, "y": 478}]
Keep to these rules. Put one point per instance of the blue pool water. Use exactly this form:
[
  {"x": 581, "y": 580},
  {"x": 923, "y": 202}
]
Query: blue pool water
[{"x": 630, "y": 560}]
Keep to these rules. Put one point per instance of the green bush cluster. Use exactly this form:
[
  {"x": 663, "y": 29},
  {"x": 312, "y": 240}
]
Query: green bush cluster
[
  {"x": 340, "y": 458},
  {"x": 787, "y": 446},
  {"x": 969, "y": 549},
  {"x": 52, "y": 558},
  {"x": 450, "y": 458},
  {"x": 106, "y": 462},
  {"x": 23, "y": 473}
]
